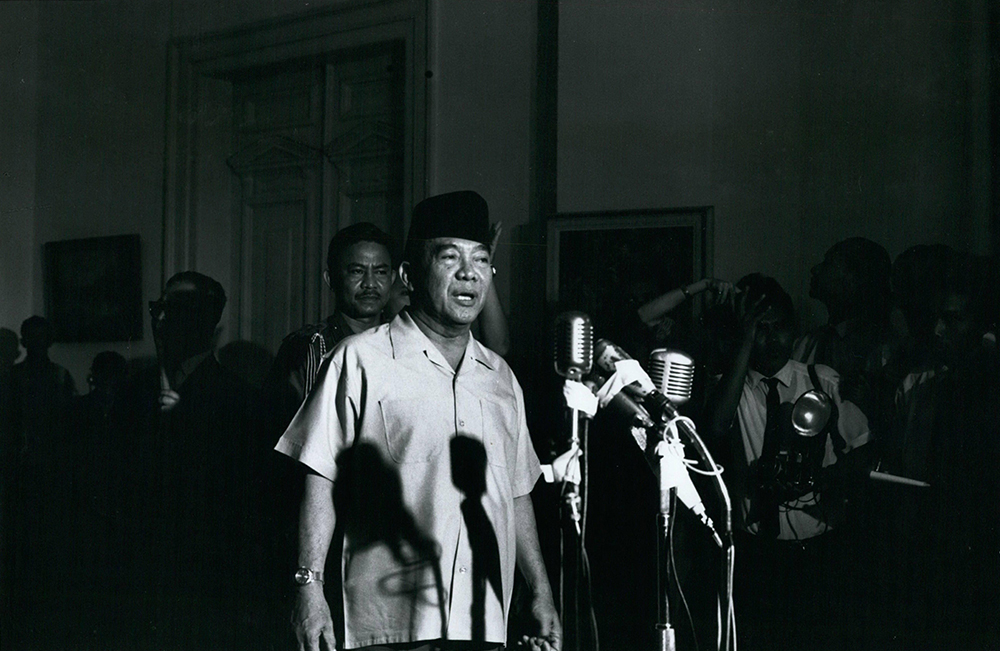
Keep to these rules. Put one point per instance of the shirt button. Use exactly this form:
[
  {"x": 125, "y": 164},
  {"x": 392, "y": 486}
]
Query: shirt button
[
  {"x": 461, "y": 423},
  {"x": 462, "y": 570}
]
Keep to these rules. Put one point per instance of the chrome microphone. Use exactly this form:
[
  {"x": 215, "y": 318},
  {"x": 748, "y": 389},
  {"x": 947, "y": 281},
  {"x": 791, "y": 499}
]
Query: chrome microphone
[
  {"x": 673, "y": 374},
  {"x": 606, "y": 355},
  {"x": 574, "y": 345},
  {"x": 621, "y": 404},
  {"x": 574, "y": 357}
]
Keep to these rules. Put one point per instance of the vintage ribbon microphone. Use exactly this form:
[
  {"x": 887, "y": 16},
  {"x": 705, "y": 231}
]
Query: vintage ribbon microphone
[
  {"x": 574, "y": 357},
  {"x": 675, "y": 374}
]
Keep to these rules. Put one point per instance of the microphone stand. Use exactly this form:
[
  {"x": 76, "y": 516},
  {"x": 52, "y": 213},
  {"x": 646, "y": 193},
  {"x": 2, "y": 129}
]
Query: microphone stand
[
  {"x": 574, "y": 506},
  {"x": 727, "y": 619},
  {"x": 667, "y": 641},
  {"x": 664, "y": 527}
]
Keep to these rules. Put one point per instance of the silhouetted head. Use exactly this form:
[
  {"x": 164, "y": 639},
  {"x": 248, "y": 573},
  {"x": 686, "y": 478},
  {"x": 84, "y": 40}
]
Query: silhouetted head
[
  {"x": 853, "y": 279},
  {"x": 967, "y": 308},
  {"x": 36, "y": 335},
  {"x": 185, "y": 317},
  {"x": 918, "y": 279},
  {"x": 107, "y": 373}
]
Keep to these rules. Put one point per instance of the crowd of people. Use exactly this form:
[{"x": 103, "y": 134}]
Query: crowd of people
[
  {"x": 154, "y": 513},
  {"x": 880, "y": 530},
  {"x": 377, "y": 485}
]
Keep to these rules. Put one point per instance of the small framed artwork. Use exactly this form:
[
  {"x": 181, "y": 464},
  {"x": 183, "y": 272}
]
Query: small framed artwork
[
  {"x": 93, "y": 289},
  {"x": 607, "y": 264}
]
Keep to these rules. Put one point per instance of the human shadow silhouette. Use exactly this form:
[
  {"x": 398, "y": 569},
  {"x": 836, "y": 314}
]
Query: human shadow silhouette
[
  {"x": 368, "y": 499},
  {"x": 468, "y": 474}
]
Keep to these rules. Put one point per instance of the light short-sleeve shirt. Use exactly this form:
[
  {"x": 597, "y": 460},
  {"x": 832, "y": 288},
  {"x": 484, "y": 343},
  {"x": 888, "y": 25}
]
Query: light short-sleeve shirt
[
  {"x": 803, "y": 517},
  {"x": 414, "y": 450}
]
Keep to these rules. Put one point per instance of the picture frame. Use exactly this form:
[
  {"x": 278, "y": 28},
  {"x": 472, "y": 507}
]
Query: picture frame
[
  {"x": 606, "y": 264},
  {"x": 93, "y": 289}
]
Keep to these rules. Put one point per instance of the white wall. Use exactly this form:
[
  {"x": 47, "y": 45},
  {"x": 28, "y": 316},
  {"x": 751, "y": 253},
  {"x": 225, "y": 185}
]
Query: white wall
[
  {"x": 18, "y": 122},
  {"x": 482, "y": 55},
  {"x": 801, "y": 125}
]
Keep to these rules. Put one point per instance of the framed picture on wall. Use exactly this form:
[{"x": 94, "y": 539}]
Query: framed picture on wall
[
  {"x": 93, "y": 289},
  {"x": 607, "y": 264}
]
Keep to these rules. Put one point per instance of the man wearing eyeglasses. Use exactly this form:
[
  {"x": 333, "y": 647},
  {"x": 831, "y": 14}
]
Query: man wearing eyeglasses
[
  {"x": 188, "y": 460},
  {"x": 184, "y": 320}
]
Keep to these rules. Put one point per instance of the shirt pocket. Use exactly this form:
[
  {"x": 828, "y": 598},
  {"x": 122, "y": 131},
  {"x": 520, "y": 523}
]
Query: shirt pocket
[
  {"x": 415, "y": 429},
  {"x": 499, "y": 433}
]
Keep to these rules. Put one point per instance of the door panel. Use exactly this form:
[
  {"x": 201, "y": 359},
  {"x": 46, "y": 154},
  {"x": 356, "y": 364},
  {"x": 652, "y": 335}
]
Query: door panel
[
  {"x": 318, "y": 148},
  {"x": 277, "y": 261}
]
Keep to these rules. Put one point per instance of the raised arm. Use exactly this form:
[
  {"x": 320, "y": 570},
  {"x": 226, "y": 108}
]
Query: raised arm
[
  {"x": 653, "y": 311},
  {"x": 725, "y": 398}
]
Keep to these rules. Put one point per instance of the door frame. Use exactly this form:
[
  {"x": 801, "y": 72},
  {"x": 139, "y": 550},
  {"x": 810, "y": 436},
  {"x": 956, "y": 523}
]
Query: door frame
[{"x": 197, "y": 64}]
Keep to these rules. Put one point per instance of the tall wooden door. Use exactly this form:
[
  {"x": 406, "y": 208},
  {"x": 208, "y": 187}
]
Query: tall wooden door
[{"x": 317, "y": 148}]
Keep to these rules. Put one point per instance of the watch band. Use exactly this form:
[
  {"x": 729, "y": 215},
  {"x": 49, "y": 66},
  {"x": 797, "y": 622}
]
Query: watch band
[{"x": 306, "y": 575}]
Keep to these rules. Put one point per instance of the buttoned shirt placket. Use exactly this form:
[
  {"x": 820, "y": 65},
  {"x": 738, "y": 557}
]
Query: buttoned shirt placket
[{"x": 460, "y": 582}]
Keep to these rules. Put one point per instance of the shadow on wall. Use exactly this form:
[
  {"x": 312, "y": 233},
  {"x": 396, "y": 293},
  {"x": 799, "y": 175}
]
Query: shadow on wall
[{"x": 10, "y": 347}]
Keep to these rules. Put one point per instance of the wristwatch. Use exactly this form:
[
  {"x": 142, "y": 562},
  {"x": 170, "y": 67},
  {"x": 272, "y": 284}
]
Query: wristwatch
[{"x": 304, "y": 576}]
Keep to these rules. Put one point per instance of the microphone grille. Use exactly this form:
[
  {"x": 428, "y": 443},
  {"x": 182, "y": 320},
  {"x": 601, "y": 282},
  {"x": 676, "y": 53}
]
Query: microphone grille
[
  {"x": 673, "y": 374},
  {"x": 574, "y": 345}
]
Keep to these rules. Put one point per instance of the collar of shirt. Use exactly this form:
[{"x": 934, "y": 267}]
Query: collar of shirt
[
  {"x": 784, "y": 376},
  {"x": 337, "y": 328},
  {"x": 408, "y": 340}
]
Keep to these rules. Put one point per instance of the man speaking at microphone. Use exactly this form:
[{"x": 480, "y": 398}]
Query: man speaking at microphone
[{"x": 416, "y": 505}]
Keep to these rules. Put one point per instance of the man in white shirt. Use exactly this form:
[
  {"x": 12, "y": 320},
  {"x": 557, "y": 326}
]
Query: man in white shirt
[
  {"x": 790, "y": 563},
  {"x": 420, "y": 467}
]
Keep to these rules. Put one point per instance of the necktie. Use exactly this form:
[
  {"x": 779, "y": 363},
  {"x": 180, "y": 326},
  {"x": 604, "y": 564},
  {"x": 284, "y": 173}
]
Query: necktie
[{"x": 768, "y": 507}]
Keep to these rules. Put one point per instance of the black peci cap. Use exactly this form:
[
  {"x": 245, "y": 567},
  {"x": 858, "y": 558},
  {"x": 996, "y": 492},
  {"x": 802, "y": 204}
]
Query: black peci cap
[{"x": 463, "y": 214}]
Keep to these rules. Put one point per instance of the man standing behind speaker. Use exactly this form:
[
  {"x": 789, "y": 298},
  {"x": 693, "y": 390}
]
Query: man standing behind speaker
[
  {"x": 420, "y": 467},
  {"x": 359, "y": 272}
]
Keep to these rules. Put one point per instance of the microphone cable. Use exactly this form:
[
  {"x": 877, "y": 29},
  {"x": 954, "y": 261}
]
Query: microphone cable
[
  {"x": 584, "y": 558},
  {"x": 673, "y": 572},
  {"x": 584, "y": 583}
]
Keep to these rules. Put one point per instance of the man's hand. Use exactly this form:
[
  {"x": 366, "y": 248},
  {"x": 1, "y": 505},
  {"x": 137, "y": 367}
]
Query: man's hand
[
  {"x": 168, "y": 399},
  {"x": 750, "y": 313},
  {"x": 723, "y": 293},
  {"x": 311, "y": 619},
  {"x": 549, "y": 635}
]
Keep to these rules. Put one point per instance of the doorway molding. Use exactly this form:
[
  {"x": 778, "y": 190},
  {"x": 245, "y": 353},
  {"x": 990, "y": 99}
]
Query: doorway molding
[{"x": 198, "y": 70}]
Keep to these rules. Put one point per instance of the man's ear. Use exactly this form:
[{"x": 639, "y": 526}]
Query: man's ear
[
  {"x": 326, "y": 278},
  {"x": 404, "y": 274}
]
